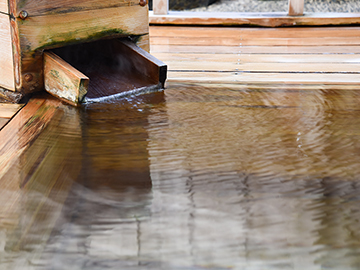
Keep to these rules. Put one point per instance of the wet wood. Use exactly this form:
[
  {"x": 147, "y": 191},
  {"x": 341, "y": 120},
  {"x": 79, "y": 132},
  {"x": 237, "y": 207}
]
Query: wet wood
[
  {"x": 264, "y": 78},
  {"x": 6, "y": 54},
  {"x": 143, "y": 62},
  {"x": 45, "y": 170},
  {"x": 69, "y": 28},
  {"x": 267, "y": 19},
  {"x": 64, "y": 81},
  {"x": 296, "y": 7},
  {"x": 115, "y": 67},
  {"x": 4, "y": 6}
]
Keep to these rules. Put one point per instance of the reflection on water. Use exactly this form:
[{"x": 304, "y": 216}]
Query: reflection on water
[{"x": 193, "y": 178}]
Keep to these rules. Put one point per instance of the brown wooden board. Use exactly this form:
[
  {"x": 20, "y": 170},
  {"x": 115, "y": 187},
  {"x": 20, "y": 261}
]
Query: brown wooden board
[
  {"x": 6, "y": 54},
  {"x": 273, "y": 19},
  {"x": 251, "y": 32},
  {"x": 64, "y": 81},
  {"x": 35, "y": 34},
  {"x": 45, "y": 7}
]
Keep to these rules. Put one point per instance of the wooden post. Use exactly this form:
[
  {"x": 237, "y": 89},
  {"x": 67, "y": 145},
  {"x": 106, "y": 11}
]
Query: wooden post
[
  {"x": 160, "y": 7},
  {"x": 296, "y": 7}
]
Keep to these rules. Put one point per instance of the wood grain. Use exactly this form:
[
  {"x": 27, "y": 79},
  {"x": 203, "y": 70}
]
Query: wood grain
[
  {"x": 272, "y": 50},
  {"x": 256, "y": 41},
  {"x": 296, "y": 7},
  {"x": 4, "y": 7},
  {"x": 6, "y": 54},
  {"x": 3, "y": 122},
  {"x": 64, "y": 81},
  {"x": 45, "y": 7},
  {"x": 251, "y": 32},
  {"x": 315, "y": 57},
  {"x": 263, "y": 78},
  {"x": 69, "y": 28},
  {"x": 255, "y": 19},
  {"x": 143, "y": 62},
  {"x": 8, "y": 110}
]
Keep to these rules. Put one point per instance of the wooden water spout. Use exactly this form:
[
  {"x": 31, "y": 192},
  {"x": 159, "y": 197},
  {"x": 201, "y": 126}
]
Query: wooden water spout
[{"x": 110, "y": 42}]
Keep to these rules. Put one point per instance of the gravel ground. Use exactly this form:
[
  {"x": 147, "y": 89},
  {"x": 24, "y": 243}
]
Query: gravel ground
[{"x": 282, "y": 6}]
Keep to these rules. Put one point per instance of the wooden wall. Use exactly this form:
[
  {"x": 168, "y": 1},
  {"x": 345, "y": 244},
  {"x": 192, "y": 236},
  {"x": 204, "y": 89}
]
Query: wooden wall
[{"x": 6, "y": 54}]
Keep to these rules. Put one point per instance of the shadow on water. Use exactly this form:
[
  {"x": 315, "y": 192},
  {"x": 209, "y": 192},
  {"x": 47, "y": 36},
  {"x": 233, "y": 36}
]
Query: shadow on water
[{"x": 193, "y": 178}]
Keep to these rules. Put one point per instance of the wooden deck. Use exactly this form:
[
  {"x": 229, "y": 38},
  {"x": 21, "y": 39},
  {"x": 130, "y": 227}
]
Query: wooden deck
[{"x": 304, "y": 56}]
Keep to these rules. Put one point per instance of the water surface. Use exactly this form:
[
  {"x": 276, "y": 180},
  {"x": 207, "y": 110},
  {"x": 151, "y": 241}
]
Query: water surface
[{"x": 197, "y": 177}]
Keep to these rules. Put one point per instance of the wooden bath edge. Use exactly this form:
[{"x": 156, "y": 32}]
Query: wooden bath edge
[{"x": 266, "y": 19}]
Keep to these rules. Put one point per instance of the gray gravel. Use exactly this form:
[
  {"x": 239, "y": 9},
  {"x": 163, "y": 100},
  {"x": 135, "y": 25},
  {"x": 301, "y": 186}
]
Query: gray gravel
[{"x": 282, "y": 6}]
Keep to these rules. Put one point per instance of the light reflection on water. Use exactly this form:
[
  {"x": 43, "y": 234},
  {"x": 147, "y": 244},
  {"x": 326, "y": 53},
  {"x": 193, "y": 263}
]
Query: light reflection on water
[{"x": 193, "y": 178}]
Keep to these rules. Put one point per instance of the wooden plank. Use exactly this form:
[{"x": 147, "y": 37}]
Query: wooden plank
[
  {"x": 318, "y": 50},
  {"x": 160, "y": 7},
  {"x": 259, "y": 19},
  {"x": 263, "y": 67},
  {"x": 251, "y": 32},
  {"x": 44, "y": 7},
  {"x": 260, "y": 58},
  {"x": 143, "y": 62},
  {"x": 4, "y": 6},
  {"x": 255, "y": 41},
  {"x": 6, "y": 54},
  {"x": 64, "y": 81},
  {"x": 264, "y": 78},
  {"x": 68, "y": 28},
  {"x": 296, "y": 7},
  {"x": 3, "y": 122},
  {"x": 8, "y": 110}
]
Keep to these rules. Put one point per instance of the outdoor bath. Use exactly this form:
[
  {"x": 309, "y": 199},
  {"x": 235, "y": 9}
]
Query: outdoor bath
[
  {"x": 247, "y": 160},
  {"x": 191, "y": 178}
]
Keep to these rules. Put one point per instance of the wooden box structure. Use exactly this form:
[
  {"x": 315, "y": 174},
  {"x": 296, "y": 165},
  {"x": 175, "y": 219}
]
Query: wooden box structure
[{"x": 31, "y": 29}]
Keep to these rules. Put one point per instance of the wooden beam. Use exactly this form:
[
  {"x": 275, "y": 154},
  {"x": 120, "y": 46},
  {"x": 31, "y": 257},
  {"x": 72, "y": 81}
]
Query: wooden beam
[
  {"x": 259, "y": 19},
  {"x": 64, "y": 81},
  {"x": 6, "y": 54},
  {"x": 41, "y": 7},
  {"x": 160, "y": 7},
  {"x": 4, "y": 7},
  {"x": 296, "y": 7},
  {"x": 143, "y": 62}
]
